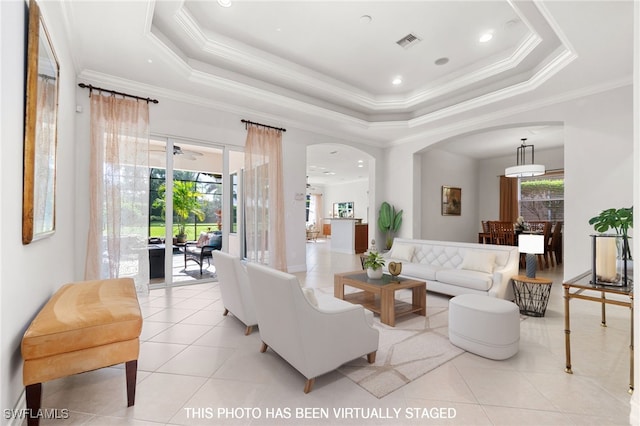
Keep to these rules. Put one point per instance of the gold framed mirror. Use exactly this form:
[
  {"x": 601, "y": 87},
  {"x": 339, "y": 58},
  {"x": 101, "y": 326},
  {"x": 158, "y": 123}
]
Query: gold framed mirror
[{"x": 40, "y": 134}]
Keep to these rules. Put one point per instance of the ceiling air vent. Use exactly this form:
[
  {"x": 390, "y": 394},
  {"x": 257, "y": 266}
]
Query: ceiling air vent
[{"x": 408, "y": 40}]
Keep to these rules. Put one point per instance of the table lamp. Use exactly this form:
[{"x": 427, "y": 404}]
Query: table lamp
[{"x": 531, "y": 244}]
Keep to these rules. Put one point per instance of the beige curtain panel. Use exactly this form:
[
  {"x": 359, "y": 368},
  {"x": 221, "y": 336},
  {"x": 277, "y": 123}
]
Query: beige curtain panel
[
  {"x": 264, "y": 197},
  {"x": 119, "y": 190}
]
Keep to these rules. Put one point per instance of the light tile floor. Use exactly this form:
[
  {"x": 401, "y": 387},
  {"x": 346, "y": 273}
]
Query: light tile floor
[{"x": 197, "y": 367}]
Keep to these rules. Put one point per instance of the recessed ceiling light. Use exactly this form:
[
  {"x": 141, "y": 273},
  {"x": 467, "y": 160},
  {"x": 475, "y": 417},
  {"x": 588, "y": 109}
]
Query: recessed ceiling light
[
  {"x": 150, "y": 60},
  {"x": 397, "y": 81},
  {"x": 224, "y": 3},
  {"x": 441, "y": 61},
  {"x": 360, "y": 165},
  {"x": 486, "y": 37},
  {"x": 360, "y": 161},
  {"x": 365, "y": 19}
]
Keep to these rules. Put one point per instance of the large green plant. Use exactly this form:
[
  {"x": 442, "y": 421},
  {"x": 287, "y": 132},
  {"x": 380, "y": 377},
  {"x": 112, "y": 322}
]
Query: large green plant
[
  {"x": 620, "y": 220},
  {"x": 389, "y": 221},
  {"x": 186, "y": 201}
]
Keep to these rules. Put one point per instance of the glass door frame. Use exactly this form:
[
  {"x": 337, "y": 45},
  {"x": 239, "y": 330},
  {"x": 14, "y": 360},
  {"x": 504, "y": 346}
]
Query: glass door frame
[{"x": 170, "y": 142}]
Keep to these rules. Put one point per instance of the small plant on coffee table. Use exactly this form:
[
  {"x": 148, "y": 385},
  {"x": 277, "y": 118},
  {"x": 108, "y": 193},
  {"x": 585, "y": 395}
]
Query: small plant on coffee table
[{"x": 374, "y": 260}]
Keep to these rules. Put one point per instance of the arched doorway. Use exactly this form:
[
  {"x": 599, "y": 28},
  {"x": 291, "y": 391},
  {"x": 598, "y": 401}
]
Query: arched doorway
[{"x": 339, "y": 184}]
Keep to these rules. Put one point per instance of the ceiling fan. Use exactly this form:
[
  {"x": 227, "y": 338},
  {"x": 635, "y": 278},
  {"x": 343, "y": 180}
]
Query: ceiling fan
[{"x": 184, "y": 153}]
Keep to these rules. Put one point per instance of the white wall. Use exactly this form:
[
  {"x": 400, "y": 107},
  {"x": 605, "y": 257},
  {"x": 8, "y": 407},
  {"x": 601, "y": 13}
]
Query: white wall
[
  {"x": 295, "y": 189},
  {"x": 29, "y": 274},
  {"x": 440, "y": 168},
  {"x": 598, "y": 168},
  {"x": 357, "y": 191}
]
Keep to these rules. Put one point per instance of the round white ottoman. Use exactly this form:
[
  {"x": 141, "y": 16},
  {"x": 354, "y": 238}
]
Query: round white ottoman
[{"x": 484, "y": 325}]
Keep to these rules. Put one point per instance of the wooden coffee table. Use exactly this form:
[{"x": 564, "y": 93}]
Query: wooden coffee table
[{"x": 379, "y": 295}]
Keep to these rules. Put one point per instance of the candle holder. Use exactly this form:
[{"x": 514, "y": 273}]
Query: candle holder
[{"x": 610, "y": 263}]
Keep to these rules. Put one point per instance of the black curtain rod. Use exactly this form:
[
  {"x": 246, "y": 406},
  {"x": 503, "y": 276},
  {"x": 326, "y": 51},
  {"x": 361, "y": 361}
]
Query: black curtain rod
[
  {"x": 263, "y": 125},
  {"x": 92, "y": 88}
]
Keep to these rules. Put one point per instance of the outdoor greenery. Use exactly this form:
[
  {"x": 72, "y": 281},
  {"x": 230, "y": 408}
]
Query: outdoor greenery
[
  {"x": 192, "y": 230},
  {"x": 389, "y": 221},
  {"x": 197, "y": 203},
  {"x": 542, "y": 199},
  {"x": 186, "y": 201}
]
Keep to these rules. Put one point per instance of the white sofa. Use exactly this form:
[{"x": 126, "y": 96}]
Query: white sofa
[{"x": 457, "y": 268}]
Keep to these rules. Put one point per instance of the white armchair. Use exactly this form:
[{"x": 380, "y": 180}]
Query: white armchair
[
  {"x": 234, "y": 286},
  {"x": 313, "y": 339}
]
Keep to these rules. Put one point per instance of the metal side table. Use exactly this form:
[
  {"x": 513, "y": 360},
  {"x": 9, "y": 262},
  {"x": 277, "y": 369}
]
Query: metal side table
[
  {"x": 531, "y": 294},
  {"x": 574, "y": 289}
]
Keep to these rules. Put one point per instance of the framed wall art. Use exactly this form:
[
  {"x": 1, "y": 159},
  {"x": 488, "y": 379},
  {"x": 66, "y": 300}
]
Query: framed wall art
[
  {"x": 40, "y": 134},
  {"x": 451, "y": 201}
]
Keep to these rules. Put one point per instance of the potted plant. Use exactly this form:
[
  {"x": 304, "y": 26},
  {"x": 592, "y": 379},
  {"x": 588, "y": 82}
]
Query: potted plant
[
  {"x": 389, "y": 221},
  {"x": 620, "y": 220},
  {"x": 374, "y": 262}
]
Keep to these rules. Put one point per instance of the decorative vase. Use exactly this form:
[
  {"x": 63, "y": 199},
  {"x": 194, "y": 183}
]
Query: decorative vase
[
  {"x": 395, "y": 268},
  {"x": 374, "y": 274}
]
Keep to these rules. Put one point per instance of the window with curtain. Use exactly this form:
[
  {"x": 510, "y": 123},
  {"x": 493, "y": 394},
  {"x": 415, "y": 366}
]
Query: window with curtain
[
  {"x": 119, "y": 190},
  {"x": 264, "y": 198},
  {"x": 542, "y": 197}
]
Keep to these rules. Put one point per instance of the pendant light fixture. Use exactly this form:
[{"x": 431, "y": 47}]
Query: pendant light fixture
[{"x": 522, "y": 169}]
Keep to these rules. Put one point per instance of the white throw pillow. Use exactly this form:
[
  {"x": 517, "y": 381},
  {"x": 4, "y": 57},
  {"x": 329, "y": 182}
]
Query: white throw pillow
[
  {"x": 310, "y": 295},
  {"x": 478, "y": 261},
  {"x": 402, "y": 252},
  {"x": 203, "y": 240}
]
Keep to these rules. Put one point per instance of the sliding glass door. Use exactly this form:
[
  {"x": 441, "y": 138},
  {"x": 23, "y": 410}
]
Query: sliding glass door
[{"x": 186, "y": 211}]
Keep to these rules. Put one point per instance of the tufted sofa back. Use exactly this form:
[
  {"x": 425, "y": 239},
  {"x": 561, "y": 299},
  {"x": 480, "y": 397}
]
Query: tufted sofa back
[{"x": 450, "y": 254}]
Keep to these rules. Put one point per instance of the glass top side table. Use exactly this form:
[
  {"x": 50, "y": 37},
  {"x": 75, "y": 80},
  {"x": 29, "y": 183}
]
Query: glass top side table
[{"x": 574, "y": 289}]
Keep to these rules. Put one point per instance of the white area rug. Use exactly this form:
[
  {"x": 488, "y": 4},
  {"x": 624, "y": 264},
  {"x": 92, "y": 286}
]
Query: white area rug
[{"x": 414, "y": 347}]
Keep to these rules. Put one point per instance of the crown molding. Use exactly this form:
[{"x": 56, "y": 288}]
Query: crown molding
[
  {"x": 147, "y": 90},
  {"x": 473, "y": 123},
  {"x": 288, "y": 71},
  {"x": 253, "y": 92},
  {"x": 95, "y": 77},
  {"x": 551, "y": 68}
]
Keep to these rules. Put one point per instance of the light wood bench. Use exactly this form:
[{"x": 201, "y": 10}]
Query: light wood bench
[{"x": 84, "y": 326}]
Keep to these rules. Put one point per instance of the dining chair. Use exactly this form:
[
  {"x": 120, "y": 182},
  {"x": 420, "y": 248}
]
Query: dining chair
[
  {"x": 543, "y": 227},
  {"x": 555, "y": 242},
  {"x": 485, "y": 236},
  {"x": 502, "y": 233}
]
